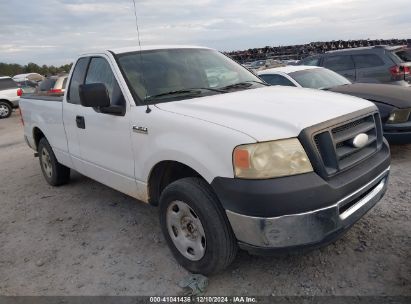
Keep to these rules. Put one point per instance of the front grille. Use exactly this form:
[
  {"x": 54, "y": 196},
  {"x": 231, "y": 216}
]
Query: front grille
[{"x": 335, "y": 143}]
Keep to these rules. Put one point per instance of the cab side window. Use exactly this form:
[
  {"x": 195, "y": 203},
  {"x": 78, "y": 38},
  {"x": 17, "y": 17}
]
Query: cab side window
[
  {"x": 99, "y": 71},
  {"x": 76, "y": 79},
  {"x": 367, "y": 61},
  {"x": 275, "y": 79}
]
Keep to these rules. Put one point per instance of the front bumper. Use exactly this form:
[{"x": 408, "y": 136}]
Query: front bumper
[
  {"x": 314, "y": 227},
  {"x": 303, "y": 210},
  {"x": 398, "y": 133}
]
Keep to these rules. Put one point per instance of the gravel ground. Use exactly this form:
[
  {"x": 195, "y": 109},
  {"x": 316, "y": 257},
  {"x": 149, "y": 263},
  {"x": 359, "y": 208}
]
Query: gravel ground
[{"x": 87, "y": 239}]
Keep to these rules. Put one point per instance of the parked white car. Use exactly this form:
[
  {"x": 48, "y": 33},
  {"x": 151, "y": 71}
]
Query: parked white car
[
  {"x": 35, "y": 77},
  {"x": 229, "y": 164},
  {"x": 393, "y": 101},
  {"x": 9, "y": 96}
]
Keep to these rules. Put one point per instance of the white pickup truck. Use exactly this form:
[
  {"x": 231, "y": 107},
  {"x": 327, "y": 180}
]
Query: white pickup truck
[{"x": 231, "y": 162}]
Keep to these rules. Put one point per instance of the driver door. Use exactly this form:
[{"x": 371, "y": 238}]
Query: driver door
[{"x": 104, "y": 139}]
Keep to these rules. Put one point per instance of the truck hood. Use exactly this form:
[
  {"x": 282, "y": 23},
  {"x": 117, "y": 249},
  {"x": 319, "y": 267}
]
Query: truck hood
[
  {"x": 396, "y": 96},
  {"x": 268, "y": 113}
]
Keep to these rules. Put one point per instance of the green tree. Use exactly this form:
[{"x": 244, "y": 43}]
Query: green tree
[{"x": 11, "y": 69}]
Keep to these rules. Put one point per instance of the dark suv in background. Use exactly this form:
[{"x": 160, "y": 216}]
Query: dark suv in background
[{"x": 376, "y": 64}]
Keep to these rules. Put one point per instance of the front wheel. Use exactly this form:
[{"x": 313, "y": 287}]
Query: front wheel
[
  {"x": 196, "y": 227},
  {"x": 55, "y": 173},
  {"x": 5, "y": 109}
]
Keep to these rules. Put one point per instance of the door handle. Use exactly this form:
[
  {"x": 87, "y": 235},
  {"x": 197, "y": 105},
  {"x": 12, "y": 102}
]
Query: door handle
[
  {"x": 142, "y": 130},
  {"x": 81, "y": 124}
]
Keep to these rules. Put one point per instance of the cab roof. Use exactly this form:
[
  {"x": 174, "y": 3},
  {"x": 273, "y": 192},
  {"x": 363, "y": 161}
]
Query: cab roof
[{"x": 153, "y": 47}]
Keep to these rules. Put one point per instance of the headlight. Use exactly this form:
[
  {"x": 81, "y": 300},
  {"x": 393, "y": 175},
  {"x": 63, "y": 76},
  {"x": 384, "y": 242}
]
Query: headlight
[
  {"x": 399, "y": 116},
  {"x": 270, "y": 159}
]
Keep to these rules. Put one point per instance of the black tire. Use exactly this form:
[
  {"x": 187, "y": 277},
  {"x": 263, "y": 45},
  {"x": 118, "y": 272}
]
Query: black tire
[
  {"x": 55, "y": 173},
  {"x": 221, "y": 244},
  {"x": 5, "y": 110}
]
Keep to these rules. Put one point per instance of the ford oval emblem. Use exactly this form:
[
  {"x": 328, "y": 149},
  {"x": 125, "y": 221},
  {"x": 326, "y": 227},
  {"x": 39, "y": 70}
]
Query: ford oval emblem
[{"x": 360, "y": 140}]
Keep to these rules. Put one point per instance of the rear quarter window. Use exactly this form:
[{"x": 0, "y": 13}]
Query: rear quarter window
[
  {"x": 338, "y": 63},
  {"x": 367, "y": 61},
  {"x": 404, "y": 55},
  {"x": 7, "y": 83}
]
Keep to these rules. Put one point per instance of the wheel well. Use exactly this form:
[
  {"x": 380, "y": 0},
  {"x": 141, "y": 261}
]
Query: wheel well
[
  {"x": 163, "y": 174},
  {"x": 37, "y": 135}
]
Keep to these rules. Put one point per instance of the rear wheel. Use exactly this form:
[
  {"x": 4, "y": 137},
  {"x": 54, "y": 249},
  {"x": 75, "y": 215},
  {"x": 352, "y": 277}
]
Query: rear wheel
[
  {"x": 5, "y": 109},
  {"x": 55, "y": 173},
  {"x": 196, "y": 227}
]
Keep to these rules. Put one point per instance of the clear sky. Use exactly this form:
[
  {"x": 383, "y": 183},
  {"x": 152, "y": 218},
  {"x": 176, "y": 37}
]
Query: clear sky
[{"x": 55, "y": 31}]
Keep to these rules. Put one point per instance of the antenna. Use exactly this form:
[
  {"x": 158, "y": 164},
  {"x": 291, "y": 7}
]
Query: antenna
[{"x": 148, "y": 110}]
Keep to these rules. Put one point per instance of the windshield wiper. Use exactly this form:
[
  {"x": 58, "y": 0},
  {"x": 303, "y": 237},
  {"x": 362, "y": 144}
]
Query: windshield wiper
[
  {"x": 194, "y": 91},
  {"x": 328, "y": 88},
  {"x": 260, "y": 82},
  {"x": 211, "y": 89},
  {"x": 246, "y": 84}
]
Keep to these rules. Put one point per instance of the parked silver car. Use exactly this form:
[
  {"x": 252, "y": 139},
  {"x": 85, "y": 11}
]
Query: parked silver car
[{"x": 53, "y": 86}]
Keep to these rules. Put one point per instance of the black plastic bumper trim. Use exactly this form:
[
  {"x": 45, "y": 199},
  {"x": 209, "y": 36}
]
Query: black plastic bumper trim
[{"x": 298, "y": 193}]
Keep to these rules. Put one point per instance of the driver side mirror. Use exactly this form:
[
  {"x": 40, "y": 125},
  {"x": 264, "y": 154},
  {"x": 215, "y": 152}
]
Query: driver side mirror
[{"x": 94, "y": 95}]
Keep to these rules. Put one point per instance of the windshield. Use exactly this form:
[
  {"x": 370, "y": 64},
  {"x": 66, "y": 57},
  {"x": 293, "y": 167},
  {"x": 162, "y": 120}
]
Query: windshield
[
  {"x": 319, "y": 78},
  {"x": 172, "y": 74}
]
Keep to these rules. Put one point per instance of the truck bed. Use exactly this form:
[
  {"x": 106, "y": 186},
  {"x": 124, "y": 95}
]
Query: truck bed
[
  {"x": 46, "y": 114},
  {"x": 45, "y": 97}
]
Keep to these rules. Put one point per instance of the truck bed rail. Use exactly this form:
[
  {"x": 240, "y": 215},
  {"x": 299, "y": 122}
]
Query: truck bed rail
[{"x": 43, "y": 97}]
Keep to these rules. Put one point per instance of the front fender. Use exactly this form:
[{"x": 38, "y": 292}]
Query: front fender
[{"x": 203, "y": 146}]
